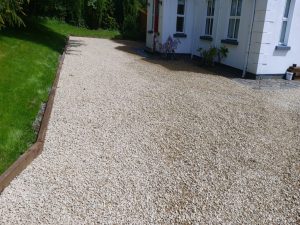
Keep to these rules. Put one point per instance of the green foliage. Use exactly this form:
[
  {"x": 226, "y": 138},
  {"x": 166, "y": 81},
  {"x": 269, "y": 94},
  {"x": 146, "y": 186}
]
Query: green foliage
[
  {"x": 130, "y": 27},
  {"x": 209, "y": 56},
  {"x": 109, "y": 21},
  {"x": 107, "y": 14},
  {"x": 10, "y": 12},
  {"x": 100, "y": 13},
  {"x": 222, "y": 53},
  {"x": 76, "y": 12},
  {"x": 131, "y": 24},
  {"x": 66, "y": 29},
  {"x": 94, "y": 13}
]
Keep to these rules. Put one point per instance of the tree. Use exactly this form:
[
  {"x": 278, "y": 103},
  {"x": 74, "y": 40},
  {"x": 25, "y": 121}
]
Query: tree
[
  {"x": 131, "y": 22},
  {"x": 11, "y": 12},
  {"x": 75, "y": 12},
  {"x": 109, "y": 20}
]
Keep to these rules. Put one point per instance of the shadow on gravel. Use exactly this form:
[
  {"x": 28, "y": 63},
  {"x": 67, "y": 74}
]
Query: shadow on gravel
[
  {"x": 179, "y": 63},
  {"x": 186, "y": 64},
  {"x": 72, "y": 45}
]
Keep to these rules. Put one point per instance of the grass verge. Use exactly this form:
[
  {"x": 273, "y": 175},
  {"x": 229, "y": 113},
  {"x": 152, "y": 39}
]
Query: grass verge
[{"x": 28, "y": 63}]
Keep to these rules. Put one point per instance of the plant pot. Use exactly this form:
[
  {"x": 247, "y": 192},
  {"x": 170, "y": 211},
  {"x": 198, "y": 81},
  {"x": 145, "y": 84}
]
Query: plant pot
[{"x": 289, "y": 76}]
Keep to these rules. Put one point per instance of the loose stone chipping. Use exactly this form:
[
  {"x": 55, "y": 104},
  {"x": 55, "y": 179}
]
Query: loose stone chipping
[{"x": 143, "y": 141}]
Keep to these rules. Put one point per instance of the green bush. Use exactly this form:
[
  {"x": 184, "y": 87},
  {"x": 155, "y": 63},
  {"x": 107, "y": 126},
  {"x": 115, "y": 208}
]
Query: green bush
[
  {"x": 130, "y": 28},
  {"x": 208, "y": 56},
  {"x": 108, "y": 20},
  {"x": 94, "y": 14},
  {"x": 11, "y": 12}
]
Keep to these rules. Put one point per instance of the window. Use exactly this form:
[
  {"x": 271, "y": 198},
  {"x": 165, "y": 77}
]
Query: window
[
  {"x": 210, "y": 17},
  {"x": 234, "y": 19},
  {"x": 285, "y": 21},
  {"x": 180, "y": 16}
]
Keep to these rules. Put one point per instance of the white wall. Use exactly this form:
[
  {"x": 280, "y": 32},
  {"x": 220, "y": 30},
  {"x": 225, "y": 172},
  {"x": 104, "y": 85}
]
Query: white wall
[
  {"x": 195, "y": 18},
  {"x": 274, "y": 61},
  {"x": 237, "y": 53},
  {"x": 256, "y": 41},
  {"x": 263, "y": 58},
  {"x": 168, "y": 24}
]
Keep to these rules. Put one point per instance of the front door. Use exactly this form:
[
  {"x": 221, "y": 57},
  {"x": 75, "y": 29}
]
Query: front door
[{"x": 152, "y": 23}]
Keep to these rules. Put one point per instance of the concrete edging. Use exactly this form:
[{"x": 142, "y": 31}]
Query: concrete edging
[{"x": 35, "y": 150}]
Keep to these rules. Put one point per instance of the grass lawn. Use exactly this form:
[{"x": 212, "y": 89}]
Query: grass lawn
[{"x": 28, "y": 63}]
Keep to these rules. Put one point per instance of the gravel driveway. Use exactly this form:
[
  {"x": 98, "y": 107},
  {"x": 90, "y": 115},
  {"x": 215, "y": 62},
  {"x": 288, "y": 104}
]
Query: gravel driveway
[{"x": 141, "y": 141}]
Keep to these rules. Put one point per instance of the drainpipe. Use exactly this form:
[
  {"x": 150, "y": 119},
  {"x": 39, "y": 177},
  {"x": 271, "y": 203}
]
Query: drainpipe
[
  {"x": 193, "y": 34},
  {"x": 249, "y": 42}
]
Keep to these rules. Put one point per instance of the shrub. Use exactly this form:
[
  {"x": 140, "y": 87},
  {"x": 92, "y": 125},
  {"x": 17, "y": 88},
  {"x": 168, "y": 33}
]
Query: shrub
[
  {"x": 169, "y": 47},
  {"x": 209, "y": 56},
  {"x": 130, "y": 27},
  {"x": 222, "y": 53},
  {"x": 107, "y": 14},
  {"x": 109, "y": 21}
]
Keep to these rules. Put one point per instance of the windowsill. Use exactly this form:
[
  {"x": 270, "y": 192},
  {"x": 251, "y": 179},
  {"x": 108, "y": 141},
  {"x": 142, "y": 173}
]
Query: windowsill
[
  {"x": 179, "y": 35},
  {"x": 206, "y": 38},
  {"x": 230, "y": 41},
  {"x": 283, "y": 47}
]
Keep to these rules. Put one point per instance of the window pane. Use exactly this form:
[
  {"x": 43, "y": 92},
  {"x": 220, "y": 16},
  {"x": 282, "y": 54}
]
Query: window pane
[
  {"x": 283, "y": 32},
  {"x": 209, "y": 8},
  {"x": 180, "y": 7},
  {"x": 231, "y": 28},
  {"x": 180, "y": 10},
  {"x": 233, "y": 7},
  {"x": 207, "y": 27},
  {"x": 239, "y": 8},
  {"x": 179, "y": 24},
  {"x": 211, "y": 26},
  {"x": 236, "y": 28},
  {"x": 287, "y": 8}
]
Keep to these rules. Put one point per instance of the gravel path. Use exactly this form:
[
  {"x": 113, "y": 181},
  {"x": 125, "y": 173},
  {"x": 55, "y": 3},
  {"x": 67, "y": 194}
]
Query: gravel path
[{"x": 141, "y": 141}]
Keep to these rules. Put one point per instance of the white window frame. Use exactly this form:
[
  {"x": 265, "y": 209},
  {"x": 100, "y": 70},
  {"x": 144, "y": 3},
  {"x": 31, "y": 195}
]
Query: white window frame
[
  {"x": 284, "y": 33},
  {"x": 210, "y": 14},
  {"x": 236, "y": 18},
  {"x": 182, "y": 16}
]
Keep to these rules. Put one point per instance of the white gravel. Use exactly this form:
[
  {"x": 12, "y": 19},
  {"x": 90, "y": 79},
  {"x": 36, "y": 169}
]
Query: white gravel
[{"x": 135, "y": 141}]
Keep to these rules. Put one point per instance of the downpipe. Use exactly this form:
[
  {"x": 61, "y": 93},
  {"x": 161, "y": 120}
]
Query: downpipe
[{"x": 249, "y": 41}]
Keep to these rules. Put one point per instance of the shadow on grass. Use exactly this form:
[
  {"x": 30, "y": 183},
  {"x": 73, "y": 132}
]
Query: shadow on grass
[
  {"x": 180, "y": 63},
  {"x": 37, "y": 33}
]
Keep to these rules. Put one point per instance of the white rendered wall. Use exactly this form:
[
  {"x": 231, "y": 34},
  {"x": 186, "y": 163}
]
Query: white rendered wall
[
  {"x": 263, "y": 58},
  {"x": 256, "y": 41},
  {"x": 168, "y": 23},
  {"x": 237, "y": 53},
  {"x": 274, "y": 61},
  {"x": 195, "y": 17}
]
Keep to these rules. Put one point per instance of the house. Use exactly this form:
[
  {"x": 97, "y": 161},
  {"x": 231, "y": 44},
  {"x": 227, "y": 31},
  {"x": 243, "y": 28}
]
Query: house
[{"x": 263, "y": 36}]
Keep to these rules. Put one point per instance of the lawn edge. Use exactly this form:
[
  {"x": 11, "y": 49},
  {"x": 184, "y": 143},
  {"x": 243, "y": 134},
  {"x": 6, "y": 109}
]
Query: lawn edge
[{"x": 35, "y": 150}]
